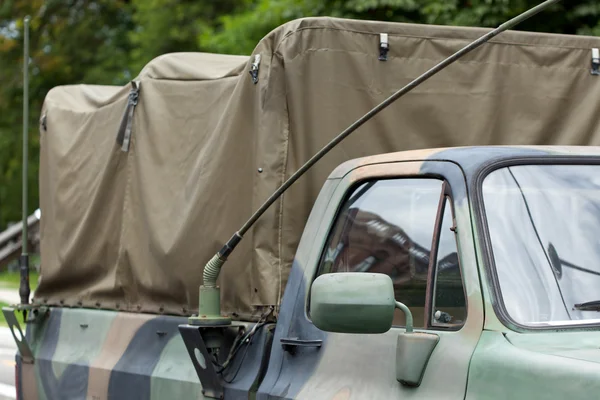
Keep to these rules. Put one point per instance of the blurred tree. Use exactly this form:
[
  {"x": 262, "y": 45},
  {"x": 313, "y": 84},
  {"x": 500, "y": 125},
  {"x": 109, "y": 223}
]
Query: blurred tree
[
  {"x": 71, "y": 41},
  {"x": 163, "y": 26},
  {"x": 239, "y": 33}
]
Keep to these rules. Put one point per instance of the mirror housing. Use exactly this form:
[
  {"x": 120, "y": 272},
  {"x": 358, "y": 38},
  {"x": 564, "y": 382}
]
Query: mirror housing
[{"x": 352, "y": 302}]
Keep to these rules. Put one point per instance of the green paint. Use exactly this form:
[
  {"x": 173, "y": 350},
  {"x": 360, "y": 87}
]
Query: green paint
[
  {"x": 353, "y": 302},
  {"x": 500, "y": 370},
  {"x": 413, "y": 351},
  {"x": 209, "y": 296},
  {"x": 209, "y": 310},
  {"x": 576, "y": 345},
  {"x": 81, "y": 336},
  {"x": 174, "y": 377}
]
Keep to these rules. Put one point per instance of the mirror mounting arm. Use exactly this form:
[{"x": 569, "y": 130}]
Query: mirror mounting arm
[{"x": 408, "y": 315}]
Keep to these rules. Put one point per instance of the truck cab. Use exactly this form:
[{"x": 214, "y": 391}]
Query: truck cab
[{"x": 490, "y": 248}]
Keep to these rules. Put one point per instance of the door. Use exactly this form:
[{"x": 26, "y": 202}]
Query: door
[{"x": 406, "y": 220}]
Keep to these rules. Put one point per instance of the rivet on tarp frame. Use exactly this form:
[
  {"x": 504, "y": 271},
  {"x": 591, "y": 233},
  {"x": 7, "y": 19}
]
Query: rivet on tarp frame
[
  {"x": 126, "y": 126},
  {"x": 384, "y": 46},
  {"x": 595, "y": 61},
  {"x": 254, "y": 68}
]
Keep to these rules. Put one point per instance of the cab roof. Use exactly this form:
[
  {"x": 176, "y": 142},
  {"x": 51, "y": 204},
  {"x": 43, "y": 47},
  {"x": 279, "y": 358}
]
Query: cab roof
[{"x": 469, "y": 158}]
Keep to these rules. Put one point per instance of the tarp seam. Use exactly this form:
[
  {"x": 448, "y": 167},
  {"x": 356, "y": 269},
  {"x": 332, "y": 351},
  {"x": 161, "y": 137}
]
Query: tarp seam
[
  {"x": 119, "y": 267},
  {"x": 283, "y": 174},
  {"x": 432, "y": 38},
  {"x": 464, "y": 62}
]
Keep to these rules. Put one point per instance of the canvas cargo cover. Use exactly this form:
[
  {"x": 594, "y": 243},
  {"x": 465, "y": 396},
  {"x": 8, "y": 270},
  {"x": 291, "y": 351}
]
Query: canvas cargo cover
[{"x": 129, "y": 227}]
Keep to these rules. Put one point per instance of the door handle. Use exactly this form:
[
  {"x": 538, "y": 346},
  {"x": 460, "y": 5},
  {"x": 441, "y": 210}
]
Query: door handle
[{"x": 291, "y": 344}]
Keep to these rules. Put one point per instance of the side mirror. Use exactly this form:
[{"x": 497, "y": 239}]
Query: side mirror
[
  {"x": 352, "y": 302},
  {"x": 360, "y": 302}
]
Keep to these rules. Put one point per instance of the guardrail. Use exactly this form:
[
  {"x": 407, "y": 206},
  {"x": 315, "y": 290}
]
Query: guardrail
[{"x": 11, "y": 241}]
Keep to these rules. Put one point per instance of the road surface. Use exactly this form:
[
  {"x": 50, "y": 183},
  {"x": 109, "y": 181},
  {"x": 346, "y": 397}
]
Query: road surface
[
  {"x": 8, "y": 349},
  {"x": 9, "y": 296}
]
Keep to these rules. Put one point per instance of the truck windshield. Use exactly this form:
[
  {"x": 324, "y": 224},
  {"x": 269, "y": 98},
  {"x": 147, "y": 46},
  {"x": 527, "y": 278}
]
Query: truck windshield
[{"x": 544, "y": 226}]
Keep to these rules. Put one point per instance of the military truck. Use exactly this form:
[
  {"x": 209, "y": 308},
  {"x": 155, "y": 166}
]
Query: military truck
[{"x": 462, "y": 272}]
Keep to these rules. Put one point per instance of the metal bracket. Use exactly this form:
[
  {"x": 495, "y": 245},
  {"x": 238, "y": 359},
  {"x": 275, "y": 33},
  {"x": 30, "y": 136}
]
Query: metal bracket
[
  {"x": 36, "y": 312},
  {"x": 212, "y": 383},
  {"x": 18, "y": 335},
  {"x": 384, "y": 46},
  {"x": 595, "y": 61}
]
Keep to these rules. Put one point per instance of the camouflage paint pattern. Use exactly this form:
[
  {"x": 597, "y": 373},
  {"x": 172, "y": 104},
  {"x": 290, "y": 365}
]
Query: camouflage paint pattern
[{"x": 96, "y": 354}]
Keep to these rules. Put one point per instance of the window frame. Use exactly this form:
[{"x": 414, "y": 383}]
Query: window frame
[
  {"x": 485, "y": 243},
  {"x": 445, "y": 193}
]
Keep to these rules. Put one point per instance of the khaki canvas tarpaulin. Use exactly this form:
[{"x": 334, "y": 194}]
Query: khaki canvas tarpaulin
[{"x": 131, "y": 230}]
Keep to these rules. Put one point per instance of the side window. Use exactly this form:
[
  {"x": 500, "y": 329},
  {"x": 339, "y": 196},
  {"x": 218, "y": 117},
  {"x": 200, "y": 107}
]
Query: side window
[
  {"x": 449, "y": 305},
  {"x": 388, "y": 226}
]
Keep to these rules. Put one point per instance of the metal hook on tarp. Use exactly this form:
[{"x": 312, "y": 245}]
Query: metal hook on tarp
[
  {"x": 384, "y": 46},
  {"x": 254, "y": 69},
  {"x": 595, "y": 61}
]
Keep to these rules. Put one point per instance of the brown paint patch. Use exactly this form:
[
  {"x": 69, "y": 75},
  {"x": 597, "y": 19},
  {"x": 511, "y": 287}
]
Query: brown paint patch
[
  {"x": 28, "y": 382},
  {"x": 410, "y": 168},
  {"x": 122, "y": 330},
  {"x": 342, "y": 394},
  {"x": 410, "y": 155}
]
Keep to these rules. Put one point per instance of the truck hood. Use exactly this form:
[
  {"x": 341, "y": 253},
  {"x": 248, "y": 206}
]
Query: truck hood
[{"x": 583, "y": 346}]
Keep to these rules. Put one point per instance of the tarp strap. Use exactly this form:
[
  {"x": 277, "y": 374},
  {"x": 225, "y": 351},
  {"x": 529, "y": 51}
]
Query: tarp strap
[
  {"x": 254, "y": 69},
  {"x": 595, "y": 61},
  {"x": 384, "y": 46},
  {"x": 126, "y": 126}
]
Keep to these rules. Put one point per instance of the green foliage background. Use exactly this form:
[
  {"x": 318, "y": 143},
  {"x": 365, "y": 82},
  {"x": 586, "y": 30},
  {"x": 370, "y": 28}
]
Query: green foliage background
[{"x": 109, "y": 41}]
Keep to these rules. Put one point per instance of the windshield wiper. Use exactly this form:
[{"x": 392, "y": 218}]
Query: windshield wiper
[{"x": 588, "y": 306}]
